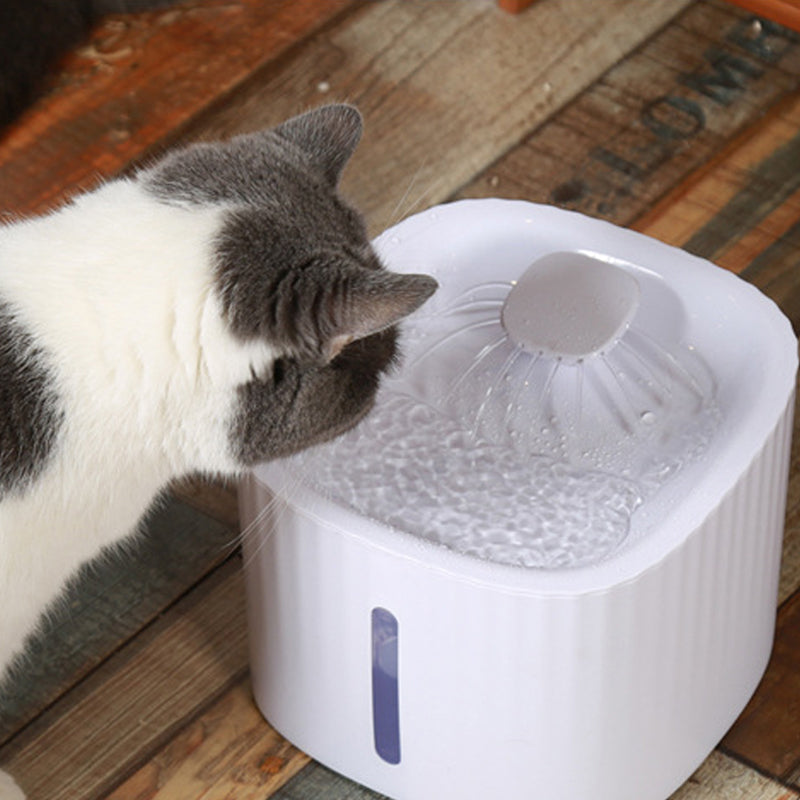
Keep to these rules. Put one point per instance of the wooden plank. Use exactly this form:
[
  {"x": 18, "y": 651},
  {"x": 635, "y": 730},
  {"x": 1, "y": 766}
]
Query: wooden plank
[
  {"x": 214, "y": 498},
  {"x": 228, "y": 751},
  {"x": 653, "y": 118},
  {"x": 87, "y": 742},
  {"x": 767, "y": 733},
  {"x": 109, "y": 602},
  {"x": 316, "y": 782},
  {"x": 433, "y": 82},
  {"x": 136, "y": 83},
  {"x": 723, "y": 778},
  {"x": 719, "y": 778}
]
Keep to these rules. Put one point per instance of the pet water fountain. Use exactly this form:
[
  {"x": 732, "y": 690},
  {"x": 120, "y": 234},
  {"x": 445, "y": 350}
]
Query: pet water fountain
[{"x": 546, "y": 565}]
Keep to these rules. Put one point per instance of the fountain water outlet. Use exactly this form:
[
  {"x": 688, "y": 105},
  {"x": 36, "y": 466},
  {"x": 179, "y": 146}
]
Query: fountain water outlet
[{"x": 569, "y": 306}]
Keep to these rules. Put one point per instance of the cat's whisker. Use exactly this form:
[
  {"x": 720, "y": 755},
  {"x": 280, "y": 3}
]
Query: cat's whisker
[
  {"x": 422, "y": 199},
  {"x": 396, "y": 214},
  {"x": 274, "y": 510},
  {"x": 252, "y": 529}
]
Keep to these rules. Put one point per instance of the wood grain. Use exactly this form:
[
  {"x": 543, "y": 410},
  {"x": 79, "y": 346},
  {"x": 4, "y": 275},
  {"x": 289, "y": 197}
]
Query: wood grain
[
  {"x": 228, "y": 752},
  {"x": 316, "y": 782},
  {"x": 723, "y": 778},
  {"x": 136, "y": 83},
  {"x": 214, "y": 498},
  {"x": 514, "y": 6},
  {"x": 653, "y": 118},
  {"x": 84, "y": 744},
  {"x": 432, "y": 123},
  {"x": 767, "y": 733}
]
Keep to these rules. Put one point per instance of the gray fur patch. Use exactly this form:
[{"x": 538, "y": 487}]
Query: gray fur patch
[
  {"x": 294, "y": 267},
  {"x": 283, "y": 278},
  {"x": 304, "y": 155},
  {"x": 30, "y": 412},
  {"x": 298, "y": 406}
]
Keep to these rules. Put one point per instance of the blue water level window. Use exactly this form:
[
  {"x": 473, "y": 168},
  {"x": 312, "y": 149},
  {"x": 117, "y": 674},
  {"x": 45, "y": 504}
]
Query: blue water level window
[{"x": 385, "y": 701}]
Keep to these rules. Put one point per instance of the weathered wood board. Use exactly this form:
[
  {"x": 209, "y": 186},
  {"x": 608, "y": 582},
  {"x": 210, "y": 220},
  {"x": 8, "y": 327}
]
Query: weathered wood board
[
  {"x": 653, "y": 118},
  {"x": 229, "y": 751},
  {"x": 136, "y": 83},
  {"x": 444, "y": 87}
]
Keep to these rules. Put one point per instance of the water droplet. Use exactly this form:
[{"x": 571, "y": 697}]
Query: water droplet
[{"x": 648, "y": 418}]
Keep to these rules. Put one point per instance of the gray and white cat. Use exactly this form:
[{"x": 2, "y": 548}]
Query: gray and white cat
[{"x": 221, "y": 308}]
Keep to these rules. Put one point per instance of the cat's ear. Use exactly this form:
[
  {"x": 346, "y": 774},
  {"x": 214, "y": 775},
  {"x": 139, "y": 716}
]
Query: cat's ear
[
  {"x": 328, "y": 135},
  {"x": 368, "y": 302}
]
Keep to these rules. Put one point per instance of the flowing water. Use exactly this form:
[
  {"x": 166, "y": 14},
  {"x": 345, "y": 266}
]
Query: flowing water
[{"x": 514, "y": 457}]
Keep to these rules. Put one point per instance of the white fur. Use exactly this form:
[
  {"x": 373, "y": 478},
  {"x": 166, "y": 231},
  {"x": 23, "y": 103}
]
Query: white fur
[
  {"x": 9, "y": 789},
  {"x": 118, "y": 288}
]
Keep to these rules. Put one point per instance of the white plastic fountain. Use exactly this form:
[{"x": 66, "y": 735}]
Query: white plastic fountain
[{"x": 546, "y": 565}]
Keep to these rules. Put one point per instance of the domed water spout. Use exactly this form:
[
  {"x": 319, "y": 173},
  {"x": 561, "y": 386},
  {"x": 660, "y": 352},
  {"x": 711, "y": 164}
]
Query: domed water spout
[{"x": 570, "y": 306}]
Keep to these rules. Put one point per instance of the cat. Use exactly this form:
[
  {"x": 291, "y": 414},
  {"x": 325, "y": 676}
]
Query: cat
[
  {"x": 220, "y": 308},
  {"x": 35, "y": 33}
]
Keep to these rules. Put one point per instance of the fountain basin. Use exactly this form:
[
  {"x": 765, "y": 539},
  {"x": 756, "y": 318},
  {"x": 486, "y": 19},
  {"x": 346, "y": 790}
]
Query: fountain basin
[{"x": 597, "y": 629}]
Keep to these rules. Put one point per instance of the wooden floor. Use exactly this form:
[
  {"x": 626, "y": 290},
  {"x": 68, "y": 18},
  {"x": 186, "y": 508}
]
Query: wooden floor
[{"x": 680, "y": 119}]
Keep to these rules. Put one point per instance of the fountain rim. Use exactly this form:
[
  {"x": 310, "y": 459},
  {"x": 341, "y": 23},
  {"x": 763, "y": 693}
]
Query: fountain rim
[{"x": 631, "y": 561}]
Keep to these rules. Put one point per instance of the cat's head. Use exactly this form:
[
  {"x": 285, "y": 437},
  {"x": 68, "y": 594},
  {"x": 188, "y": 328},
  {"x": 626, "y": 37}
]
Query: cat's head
[{"x": 294, "y": 268}]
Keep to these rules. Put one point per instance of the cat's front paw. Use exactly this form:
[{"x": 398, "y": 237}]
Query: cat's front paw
[{"x": 9, "y": 789}]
